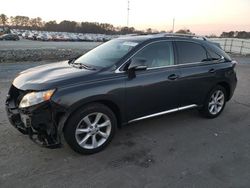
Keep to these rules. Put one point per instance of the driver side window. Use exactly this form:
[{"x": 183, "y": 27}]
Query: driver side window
[{"x": 158, "y": 54}]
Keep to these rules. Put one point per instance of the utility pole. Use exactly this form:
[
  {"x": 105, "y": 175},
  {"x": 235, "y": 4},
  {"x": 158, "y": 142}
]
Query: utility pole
[
  {"x": 128, "y": 9},
  {"x": 173, "y": 24}
]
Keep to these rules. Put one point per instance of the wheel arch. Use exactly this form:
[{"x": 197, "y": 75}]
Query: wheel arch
[
  {"x": 223, "y": 84},
  {"x": 107, "y": 102},
  {"x": 226, "y": 86}
]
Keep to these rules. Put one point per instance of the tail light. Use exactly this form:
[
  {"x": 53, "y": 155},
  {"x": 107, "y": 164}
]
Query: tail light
[{"x": 234, "y": 63}]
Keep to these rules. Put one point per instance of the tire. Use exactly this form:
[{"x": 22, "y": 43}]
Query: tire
[
  {"x": 90, "y": 129},
  {"x": 217, "y": 98}
]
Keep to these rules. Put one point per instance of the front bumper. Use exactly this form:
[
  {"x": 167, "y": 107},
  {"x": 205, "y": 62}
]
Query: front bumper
[{"x": 40, "y": 121}]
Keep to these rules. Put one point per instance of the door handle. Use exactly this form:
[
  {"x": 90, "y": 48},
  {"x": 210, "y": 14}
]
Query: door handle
[
  {"x": 212, "y": 70},
  {"x": 173, "y": 77}
]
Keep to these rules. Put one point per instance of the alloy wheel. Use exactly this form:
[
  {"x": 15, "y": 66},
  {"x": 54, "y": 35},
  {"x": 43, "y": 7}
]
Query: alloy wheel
[
  {"x": 93, "y": 130},
  {"x": 216, "y": 102}
]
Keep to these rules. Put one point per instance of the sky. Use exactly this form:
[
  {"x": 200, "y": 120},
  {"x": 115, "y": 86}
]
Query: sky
[{"x": 200, "y": 16}]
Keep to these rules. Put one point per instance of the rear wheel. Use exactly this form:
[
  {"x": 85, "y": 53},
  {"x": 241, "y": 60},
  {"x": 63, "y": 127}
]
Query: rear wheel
[
  {"x": 215, "y": 102},
  {"x": 90, "y": 129}
]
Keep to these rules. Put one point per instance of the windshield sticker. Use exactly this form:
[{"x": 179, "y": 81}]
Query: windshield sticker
[{"x": 130, "y": 43}]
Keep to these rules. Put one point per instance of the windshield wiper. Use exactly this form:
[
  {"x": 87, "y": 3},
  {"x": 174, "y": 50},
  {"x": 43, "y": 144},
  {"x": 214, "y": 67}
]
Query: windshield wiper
[{"x": 81, "y": 65}]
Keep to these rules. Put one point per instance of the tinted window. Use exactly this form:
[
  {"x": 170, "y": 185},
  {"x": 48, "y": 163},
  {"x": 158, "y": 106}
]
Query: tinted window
[
  {"x": 213, "y": 55},
  {"x": 189, "y": 52},
  {"x": 158, "y": 54}
]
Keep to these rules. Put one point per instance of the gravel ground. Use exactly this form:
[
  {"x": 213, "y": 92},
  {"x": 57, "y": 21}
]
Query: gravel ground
[
  {"x": 175, "y": 150},
  {"x": 24, "y": 44},
  {"x": 26, "y": 50}
]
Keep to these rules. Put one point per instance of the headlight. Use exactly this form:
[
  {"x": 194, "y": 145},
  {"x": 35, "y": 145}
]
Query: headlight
[{"x": 33, "y": 98}]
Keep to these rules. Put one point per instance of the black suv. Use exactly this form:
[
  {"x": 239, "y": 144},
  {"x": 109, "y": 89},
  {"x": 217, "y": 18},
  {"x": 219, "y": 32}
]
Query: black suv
[
  {"x": 9, "y": 37},
  {"x": 119, "y": 82}
]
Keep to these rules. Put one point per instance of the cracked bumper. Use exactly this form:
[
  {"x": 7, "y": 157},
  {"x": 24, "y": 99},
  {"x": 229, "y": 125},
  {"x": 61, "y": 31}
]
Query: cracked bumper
[{"x": 39, "y": 122}]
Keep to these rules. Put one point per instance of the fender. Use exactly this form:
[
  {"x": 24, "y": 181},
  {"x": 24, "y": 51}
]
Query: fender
[{"x": 100, "y": 99}]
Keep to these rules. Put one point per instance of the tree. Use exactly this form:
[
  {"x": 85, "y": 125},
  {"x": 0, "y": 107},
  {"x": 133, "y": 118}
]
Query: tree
[
  {"x": 3, "y": 19},
  {"x": 13, "y": 21},
  {"x": 50, "y": 26},
  {"x": 149, "y": 30},
  {"x": 127, "y": 30},
  {"x": 68, "y": 26},
  {"x": 212, "y": 36},
  {"x": 109, "y": 28},
  {"x": 24, "y": 22},
  {"x": 243, "y": 34},
  {"x": 236, "y": 34},
  {"x": 227, "y": 34},
  {"x": 20, "y": 21},
  {"x": 36, "y": 23},
  {"x": 184, "y": 31}
]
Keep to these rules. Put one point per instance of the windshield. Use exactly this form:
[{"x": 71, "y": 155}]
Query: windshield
[{"x": 107, "y": 54}]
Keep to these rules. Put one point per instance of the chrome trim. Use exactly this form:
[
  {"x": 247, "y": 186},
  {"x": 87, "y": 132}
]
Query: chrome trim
[
  {"x": 168, "y": 66},
  {"x": 195, "y": 63},
  {"x": 187, "y": 107},
  {"x": 164, "y": 112}
]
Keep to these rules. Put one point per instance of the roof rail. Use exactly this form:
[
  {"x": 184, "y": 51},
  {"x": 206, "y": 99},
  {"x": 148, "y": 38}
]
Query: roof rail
[{"x": 180, "y": 35}]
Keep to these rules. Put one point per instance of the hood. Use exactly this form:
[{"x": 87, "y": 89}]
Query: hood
[{"x": 50, "y": 76}]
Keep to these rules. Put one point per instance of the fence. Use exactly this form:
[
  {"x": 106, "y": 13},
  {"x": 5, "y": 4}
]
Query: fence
[{"x": 234, "y": 45}]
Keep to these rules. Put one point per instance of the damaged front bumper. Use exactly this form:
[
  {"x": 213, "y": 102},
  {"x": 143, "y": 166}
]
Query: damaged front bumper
[{"x": 40, "y": 121}]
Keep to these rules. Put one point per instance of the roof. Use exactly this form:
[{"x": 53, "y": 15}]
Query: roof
[{"x": 141, "y": 38}]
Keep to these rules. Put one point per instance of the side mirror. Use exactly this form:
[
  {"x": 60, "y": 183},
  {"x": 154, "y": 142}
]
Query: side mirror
[{"x": 136, "y": 65}]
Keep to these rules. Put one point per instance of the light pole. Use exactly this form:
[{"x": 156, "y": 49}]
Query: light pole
[
  {"x": 173, "y": 24},
  {"x": 128, "y": 9}
]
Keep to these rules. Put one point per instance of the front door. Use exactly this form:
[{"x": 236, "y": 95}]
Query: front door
[{"x": 155, "y": 89}]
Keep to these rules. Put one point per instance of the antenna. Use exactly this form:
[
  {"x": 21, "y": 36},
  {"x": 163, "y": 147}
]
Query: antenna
[{"x": 128, "y": 9}]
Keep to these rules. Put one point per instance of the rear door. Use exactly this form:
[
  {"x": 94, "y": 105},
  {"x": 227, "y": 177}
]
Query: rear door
[
  {"x": 197, "y": 72},
  {"x": 156, "y": 89}
]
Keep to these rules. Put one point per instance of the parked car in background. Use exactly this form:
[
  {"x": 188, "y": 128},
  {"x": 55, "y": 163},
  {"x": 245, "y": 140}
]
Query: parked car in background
[
  {"x": 9, "y": 37},
  {"x": 121, "y": 81},
  {"x": 2, "y": 31},
  {"x": 61, "y": 36},
  {"x": 25, "y": 34},
  {"x": 42, "y": 37}
]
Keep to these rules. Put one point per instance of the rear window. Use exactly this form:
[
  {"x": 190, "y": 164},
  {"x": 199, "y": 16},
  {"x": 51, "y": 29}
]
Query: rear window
[{"x": 189, "y": 52}]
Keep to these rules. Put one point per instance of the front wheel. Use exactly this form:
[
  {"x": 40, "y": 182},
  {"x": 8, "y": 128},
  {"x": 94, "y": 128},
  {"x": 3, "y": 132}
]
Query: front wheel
[
  {"x": 214, "y": 103},
  {"x": 90, "y": 129}
]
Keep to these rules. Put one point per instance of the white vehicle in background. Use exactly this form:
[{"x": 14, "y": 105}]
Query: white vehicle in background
[
  {"x": 88, "y": 37},
  {"x": 66, "y": 37},
  {"x": 25, "y": 34},
  {"x": 81, "y": 37},
  {"x": 30, "y": 36}
]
